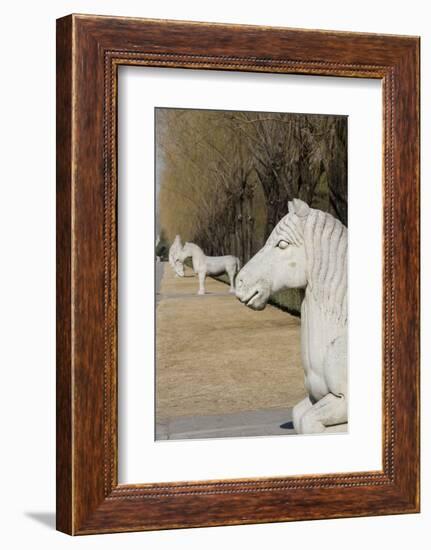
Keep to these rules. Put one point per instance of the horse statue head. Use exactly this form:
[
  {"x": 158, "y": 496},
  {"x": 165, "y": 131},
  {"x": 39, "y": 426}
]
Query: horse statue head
[
  {"x": 189, "y": 250},
  {"x": 179, "y": 267},
  {"x": 174, "y": 256},
  {"x": 307, "y": 249}
]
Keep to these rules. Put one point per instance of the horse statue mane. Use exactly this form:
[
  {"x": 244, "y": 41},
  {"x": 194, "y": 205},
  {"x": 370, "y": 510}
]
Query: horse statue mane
[
  {"x": 193, "y": 250},
  {"x": 193, "y": 247},
  {"x": 325, "y": 241}
]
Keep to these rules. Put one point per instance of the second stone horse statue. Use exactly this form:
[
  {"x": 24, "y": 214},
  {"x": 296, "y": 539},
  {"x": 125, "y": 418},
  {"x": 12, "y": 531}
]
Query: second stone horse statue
[
  {"x": 208, "y": 265},
  {"x": 308, "y": 249}
]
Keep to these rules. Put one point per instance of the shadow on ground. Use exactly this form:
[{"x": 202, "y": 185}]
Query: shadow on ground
[
  {"x": 287, "y": 426},
  {"x": 45, "y": 518}
]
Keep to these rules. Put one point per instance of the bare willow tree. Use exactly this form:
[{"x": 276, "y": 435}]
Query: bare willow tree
[
  {"x": 225, "y": 177},
  {"x": 300, "y": 156},
  {"x": 208, "y": 190}
]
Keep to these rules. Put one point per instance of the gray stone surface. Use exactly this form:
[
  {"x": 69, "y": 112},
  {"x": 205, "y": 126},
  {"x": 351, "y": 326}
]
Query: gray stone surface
[{"x": 251, "y": 423}]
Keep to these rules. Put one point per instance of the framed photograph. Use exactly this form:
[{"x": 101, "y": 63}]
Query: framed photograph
[{"x": 237, "y": 274}]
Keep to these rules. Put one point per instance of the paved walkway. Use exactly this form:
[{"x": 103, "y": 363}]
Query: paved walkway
[
  {"x": 250, "y": 423},
  {"x": 222, "y": 370}
]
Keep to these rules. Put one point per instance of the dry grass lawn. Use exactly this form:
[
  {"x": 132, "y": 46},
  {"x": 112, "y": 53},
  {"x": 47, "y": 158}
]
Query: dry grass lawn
[{"x": 216, "y": 356}]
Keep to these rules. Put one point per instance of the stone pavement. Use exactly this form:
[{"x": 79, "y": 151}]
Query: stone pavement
[{"x": 250, "y": 423}]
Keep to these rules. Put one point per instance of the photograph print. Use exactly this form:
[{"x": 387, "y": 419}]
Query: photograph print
[{"x": 251, "y": 299}]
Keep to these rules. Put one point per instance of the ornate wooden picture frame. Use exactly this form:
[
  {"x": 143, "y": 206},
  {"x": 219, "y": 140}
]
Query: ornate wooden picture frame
[{"x": 89, "y": 51}]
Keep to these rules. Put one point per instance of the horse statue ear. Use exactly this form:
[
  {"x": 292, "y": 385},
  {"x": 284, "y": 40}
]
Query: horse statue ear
[
  {"x": 290, "y": 207},
  {"x": 300, "y": 208}
]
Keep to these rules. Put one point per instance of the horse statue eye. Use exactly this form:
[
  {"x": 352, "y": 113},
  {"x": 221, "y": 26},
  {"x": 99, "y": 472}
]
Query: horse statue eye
[{"x": 282, "y": 244}]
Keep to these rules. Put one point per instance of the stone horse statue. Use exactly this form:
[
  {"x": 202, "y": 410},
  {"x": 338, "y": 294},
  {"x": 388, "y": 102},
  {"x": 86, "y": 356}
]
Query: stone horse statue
[
  {"x": 174, "y": 262},
  {"x": 308, "y": 249},
  {"x": 209, "y": 265}
]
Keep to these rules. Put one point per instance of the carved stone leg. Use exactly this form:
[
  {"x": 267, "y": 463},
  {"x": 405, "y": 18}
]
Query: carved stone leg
[
  {"x": 231, "y": 275},
  {"x": 329, "y": 411},
  {"x": 202, "y": 276},
  {"x": 298, "y": 412}
]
